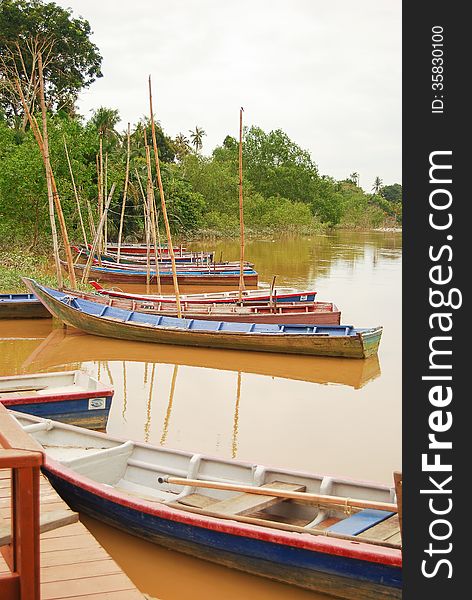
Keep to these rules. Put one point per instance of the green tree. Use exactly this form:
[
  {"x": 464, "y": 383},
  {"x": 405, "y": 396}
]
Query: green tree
[
  {"x": 354, "y": 177},
  {"x": 105, "y": 120},
  {"x": 182, "y": 146},
  {"x": 377, "y": 187},
  {"x": 197, "y": 138},
  {"x": 393, "y": 193},
  {"x": 72, "y": 62},
  {"x": 275, "y": 165}
]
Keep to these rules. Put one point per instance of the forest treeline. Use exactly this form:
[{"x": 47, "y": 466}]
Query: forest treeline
[{"x": 283, "y": 189}]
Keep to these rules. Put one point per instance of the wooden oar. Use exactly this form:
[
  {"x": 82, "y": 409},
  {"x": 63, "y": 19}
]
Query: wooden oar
[{"x": 307, "y": 497}]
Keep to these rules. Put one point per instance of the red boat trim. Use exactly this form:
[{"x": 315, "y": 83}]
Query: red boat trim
[
  {"x": 355, "y": 550},
  {"x": 105, "y": 392}
]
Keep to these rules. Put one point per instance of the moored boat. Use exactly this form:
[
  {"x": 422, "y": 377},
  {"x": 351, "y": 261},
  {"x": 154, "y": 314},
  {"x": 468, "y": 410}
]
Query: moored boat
[
  {"x": 99, "y": 319},
  {"x": 194, "y": 258},
  {"x": 315, "y": 313},
  {"x": 201, "y": 276},
  {"x": 319, "y": 532},
  {"x": 278, "y": 296},
  {"x": 22, "y": 306},
  {"x": 142, "y": 249},
  {"x": 67, "y": 396}
]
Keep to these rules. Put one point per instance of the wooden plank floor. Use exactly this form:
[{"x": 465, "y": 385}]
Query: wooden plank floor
[{"x": 73, "y": 564}]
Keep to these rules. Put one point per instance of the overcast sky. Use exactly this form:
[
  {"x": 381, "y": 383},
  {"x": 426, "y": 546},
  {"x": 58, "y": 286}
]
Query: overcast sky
[{"x": 327, "y": 73}]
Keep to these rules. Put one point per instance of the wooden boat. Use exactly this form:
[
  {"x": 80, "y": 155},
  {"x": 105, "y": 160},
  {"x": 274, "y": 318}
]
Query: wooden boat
[
  {"x": 22, "y": 306},
  {"x": 99, "y": 319},
  {"x": 188, "y": 277},
  {"x": 68, "y": 396},
  {"x": 142, "y": 249},
  {"x": 315, "y": 313},
  {"x": 52, "y": 351},
  {"x": 189, "y": 258},
  {"x": 279, "y": 295},
  {"x": 319, "y": 532}
]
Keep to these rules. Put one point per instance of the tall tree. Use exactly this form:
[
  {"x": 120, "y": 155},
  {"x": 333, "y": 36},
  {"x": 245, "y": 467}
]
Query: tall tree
[
  {"x": 354, "y": 177},
  {"x": 182, "y": 145},
  {"x": 73, "y": 62},
  {"x": 105, "y": 120},
  {"x": 377, "y": 187},
  {"x": 197, "y": 137}
]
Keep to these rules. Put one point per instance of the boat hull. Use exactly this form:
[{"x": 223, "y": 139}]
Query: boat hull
[
  {"x": 91, "y": 413},
  {"x": 250, "y": 297},
  {"x": 319, "y": 313},
  {"x": 129, "y": 276},
  {"x": 22, "y": 306},
  {"x": 361, "y": 345},
  {"x": 264, "y": 555}
]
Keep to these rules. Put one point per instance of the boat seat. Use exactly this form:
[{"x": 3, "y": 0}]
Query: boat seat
[
  {"x": 114, "y": 451},
  {"x": 244, "y": 504},
  {"x": 359, "y": 522},
  {"x": 386, "y": 530}
]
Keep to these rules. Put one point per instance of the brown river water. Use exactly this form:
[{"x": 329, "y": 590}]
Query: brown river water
[{"x": 323, "y": 415}]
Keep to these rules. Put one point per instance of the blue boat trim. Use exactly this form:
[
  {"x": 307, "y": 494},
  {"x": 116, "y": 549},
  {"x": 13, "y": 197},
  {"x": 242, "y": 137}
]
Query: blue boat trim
[{"x": 18, "y": 298}]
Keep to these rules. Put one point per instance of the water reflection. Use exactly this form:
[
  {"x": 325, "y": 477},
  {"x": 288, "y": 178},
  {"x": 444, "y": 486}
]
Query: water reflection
[{"x": 70, "y": 345}]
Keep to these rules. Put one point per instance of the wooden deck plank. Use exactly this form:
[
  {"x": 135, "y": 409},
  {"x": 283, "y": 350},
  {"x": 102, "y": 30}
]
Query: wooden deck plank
[
  {"x": 245, "y": 504},
  {"x": 118, "y": 595},
  {"x": 58, "y": 590},
  {"x": 80, "y": 571},
  {"x": 74, "y": 566}
]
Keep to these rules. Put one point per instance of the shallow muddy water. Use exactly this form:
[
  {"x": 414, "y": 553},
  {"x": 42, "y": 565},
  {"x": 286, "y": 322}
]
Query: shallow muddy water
[{"x": 322, "y": 415}]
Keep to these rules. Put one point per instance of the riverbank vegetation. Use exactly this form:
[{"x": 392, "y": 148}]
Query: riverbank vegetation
[{"x": 284, "y": 192}]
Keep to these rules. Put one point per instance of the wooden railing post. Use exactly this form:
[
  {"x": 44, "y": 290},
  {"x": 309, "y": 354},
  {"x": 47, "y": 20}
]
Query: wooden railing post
[{"x": 21, "y": 552}]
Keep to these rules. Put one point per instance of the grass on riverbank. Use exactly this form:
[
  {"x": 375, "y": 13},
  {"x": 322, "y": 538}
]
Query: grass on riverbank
[{"x": 15, "y": 264}]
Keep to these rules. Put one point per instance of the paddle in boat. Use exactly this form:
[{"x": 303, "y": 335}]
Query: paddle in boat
[
  {"x": 68, "y": 396},
  {"x": 320, "y": 532},
  {"x": 314, "y": 313},
  {"x": 22, "y": 306},
  {"x": 279, "y": 295},
  {"x": 98, "y": 319}
]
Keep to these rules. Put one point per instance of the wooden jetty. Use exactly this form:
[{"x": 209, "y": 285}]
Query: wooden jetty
[{"x": 52, "y": 556}]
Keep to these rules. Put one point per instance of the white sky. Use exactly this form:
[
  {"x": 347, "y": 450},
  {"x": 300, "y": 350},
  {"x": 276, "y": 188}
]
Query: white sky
[{"x": 327, "y": 73}]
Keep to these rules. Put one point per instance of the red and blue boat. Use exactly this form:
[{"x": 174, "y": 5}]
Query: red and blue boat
[
  {"x": 320, "y": 532},
  {"x": 67, "y": 396}
]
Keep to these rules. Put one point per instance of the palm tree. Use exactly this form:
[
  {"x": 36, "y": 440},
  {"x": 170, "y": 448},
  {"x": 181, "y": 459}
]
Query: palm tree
[
  {"x": 182, "y": 144},
  {"x": 105, "y": 119},
  {"x": 197, "y": 137},
  {"x": 377, "y": 187},
  {"x": 354, "y": 177}
]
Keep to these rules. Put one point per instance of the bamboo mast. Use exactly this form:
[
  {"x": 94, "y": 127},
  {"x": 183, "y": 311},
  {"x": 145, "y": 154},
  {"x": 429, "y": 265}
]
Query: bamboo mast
[
  {"x": 152, "y": 209},
  {"x": 147, "y": 237},
  {"x": 241, "y": 213},
  {"x": 92, "y": 227},
  {"x": 97, "y": 236},
  {"x": 105, "y": 192},
  {"x": 75, "y": 191},
  {"x": 164, "y": 209},
  {"x": 57, "y": 202},
  {"x": 125, "y": 192}
]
